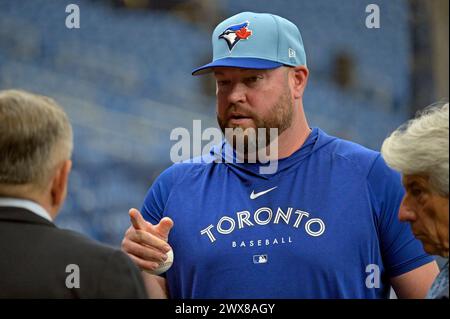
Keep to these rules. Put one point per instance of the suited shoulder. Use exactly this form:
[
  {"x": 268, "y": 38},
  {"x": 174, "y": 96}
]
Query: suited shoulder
[
  {"x": 76, "y": 245},
  {"x": 105, "y": 272}
]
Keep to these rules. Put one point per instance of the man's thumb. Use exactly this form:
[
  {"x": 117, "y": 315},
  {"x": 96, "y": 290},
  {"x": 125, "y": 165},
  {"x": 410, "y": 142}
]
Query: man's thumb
[{"x": 164, "y": 227}]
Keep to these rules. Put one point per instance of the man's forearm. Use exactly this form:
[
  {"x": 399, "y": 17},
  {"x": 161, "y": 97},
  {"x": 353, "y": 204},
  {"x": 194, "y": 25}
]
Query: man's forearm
[{"x": 156, "y": 286}]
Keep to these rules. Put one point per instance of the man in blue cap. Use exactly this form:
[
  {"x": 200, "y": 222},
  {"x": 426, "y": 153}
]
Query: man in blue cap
[{"x": 323, "y": 225}]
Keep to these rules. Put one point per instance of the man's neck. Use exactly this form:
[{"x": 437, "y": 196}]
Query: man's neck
[
  {"x": 28, "y": 204},
  {"x": 28, "y": 192},
  {"x": 287, "y": 143},
  {"x": 293, "y": 138}
]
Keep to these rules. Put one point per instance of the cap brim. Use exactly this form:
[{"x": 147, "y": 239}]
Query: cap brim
[{"x": 245, "y": 63}]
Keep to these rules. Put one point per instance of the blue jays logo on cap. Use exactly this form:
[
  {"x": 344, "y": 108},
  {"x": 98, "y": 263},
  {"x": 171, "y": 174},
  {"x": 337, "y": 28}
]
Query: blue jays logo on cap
[
  {"x": 234, "y": 33},
  {"x": 272, "y": 41}
]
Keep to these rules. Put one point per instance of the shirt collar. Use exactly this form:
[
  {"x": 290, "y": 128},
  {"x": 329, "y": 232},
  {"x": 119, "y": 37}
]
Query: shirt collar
[
  {"x": 26, "y": 204},
  {"x": 228, "y": 154}
]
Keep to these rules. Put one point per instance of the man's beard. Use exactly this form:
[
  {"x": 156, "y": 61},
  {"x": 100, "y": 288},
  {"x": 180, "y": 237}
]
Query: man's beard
[{"x": 279, "y": 117}]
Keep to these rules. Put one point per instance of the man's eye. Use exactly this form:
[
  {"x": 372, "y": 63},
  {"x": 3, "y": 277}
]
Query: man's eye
[
  {"x": 416, "y": 192},
  {"x": 223, "y": 82},
  {"x": 252, "y": 79}
]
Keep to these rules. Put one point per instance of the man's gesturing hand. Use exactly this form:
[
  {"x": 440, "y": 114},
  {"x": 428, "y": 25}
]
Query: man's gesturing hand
[{"x": 146, "y": 244}]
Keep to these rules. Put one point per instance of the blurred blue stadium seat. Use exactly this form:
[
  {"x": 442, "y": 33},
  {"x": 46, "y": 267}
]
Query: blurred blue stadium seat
[{"x": 124, "y": 79}]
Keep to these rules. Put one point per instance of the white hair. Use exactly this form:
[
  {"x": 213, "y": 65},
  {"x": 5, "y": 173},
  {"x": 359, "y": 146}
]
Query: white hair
[
  {"x": 35, "y": 135},
  {"x": 420, "y": 147}
]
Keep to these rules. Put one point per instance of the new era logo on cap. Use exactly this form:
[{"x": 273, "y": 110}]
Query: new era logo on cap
[
  {"x": 291, "y": 53},
  {"x": 270, "y": 42}
]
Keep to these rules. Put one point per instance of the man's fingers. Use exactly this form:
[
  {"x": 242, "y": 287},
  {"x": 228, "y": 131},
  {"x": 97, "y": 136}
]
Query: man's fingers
[
  {"x": 145, "y": 238},
  {"x": 144, "y": 252},
  {"x": 137, "y": 220},
  {"x": 143, "y": 264},
  {"x": 161, "y": 230},
  {"x": 164, "y": 227}
]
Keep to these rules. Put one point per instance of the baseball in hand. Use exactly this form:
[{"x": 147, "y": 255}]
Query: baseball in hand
[{"x": 164, "y": 266}]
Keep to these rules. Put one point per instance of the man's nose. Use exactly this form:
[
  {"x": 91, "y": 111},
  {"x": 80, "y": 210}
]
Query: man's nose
[
  {"x": 405, "y": 213},
  {"x": 237, "y": 94}
]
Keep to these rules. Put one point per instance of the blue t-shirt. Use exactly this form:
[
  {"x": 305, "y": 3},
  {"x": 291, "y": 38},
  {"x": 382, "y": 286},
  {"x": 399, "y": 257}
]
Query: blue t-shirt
[{"x": 323, "y": 226}]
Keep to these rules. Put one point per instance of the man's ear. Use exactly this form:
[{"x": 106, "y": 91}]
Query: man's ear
[
  {"x": 299, "y": 78},
  {"x": 59, "y": 184}
]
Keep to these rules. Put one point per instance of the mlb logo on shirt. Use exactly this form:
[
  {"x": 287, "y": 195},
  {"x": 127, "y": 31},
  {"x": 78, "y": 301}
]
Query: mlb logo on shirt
[{"x": 260, "y": 259}]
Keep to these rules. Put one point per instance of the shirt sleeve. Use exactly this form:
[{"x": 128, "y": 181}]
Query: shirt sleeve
[
  {"x": 157, "y": 196},
  {"x": 401, "y": 251}
]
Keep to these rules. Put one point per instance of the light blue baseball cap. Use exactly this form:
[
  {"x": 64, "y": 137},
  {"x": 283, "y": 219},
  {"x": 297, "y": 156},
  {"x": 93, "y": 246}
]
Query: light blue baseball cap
[{"x": 255, "y": 41}]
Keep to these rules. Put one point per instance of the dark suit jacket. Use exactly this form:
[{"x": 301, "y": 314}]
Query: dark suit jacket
[{"x": 34, "y": 255}]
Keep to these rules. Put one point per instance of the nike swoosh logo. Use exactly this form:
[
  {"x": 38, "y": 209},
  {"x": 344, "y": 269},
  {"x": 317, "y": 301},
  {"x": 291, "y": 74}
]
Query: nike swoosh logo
[{"x": 255, "y": 196}]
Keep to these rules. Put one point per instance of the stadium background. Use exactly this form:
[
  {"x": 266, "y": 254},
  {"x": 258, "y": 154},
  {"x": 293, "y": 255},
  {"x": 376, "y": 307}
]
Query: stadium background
[{"x": 125, "y": 80}]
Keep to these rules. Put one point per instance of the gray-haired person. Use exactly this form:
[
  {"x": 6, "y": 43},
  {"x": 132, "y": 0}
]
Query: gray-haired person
[
  {"x": 419, "y": 150},
  {"x": 39, "y": 260}
]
